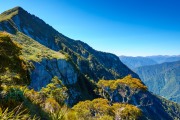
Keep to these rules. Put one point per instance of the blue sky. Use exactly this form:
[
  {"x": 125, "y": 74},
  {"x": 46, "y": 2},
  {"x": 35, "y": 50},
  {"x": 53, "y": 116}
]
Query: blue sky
[{"x": 122, "y": 27}]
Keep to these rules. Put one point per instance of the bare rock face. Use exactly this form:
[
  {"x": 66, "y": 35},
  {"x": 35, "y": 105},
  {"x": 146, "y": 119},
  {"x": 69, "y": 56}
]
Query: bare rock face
[{"x": 45, "y": 70}]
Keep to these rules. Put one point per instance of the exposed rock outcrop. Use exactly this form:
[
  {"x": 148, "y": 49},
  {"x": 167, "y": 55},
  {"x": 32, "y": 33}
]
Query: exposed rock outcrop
[{"x": 45, "y": 70}]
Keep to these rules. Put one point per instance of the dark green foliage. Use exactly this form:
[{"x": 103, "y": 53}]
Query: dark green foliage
[{"x": 13, "y": 97}]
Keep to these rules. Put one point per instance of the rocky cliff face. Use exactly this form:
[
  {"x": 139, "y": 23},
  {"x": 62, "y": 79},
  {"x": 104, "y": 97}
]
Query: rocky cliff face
[{"x": 45, "y": 70}]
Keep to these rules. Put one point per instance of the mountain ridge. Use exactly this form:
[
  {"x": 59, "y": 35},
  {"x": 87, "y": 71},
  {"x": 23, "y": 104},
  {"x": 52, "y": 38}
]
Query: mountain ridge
[
  {"x": 46, "y": 35},
  {"x": 76, "y": 73},
  {"x": 133, "y": 62},
  {"x": 159, "y": 76}
]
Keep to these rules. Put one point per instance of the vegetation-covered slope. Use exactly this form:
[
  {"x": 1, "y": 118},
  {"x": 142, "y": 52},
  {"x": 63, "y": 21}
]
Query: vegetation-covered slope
[
  {"x": 133, "y": 91},
  {"x": 162, "y": 79},
  {"x": 92, "y": 63},
  {"x": 55, "y": 73},
  {"x": 49, "y": 102},
  {"x": 17, "y": 65},
  {"x": 12, "y": 67}
]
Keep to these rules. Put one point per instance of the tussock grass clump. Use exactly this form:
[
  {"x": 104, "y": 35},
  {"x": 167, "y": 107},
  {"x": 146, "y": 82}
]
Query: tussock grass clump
[{"x": 15, "y": 114}]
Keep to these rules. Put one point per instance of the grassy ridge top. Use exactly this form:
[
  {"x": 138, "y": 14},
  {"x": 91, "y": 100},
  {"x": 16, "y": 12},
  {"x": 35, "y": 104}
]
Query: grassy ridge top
[
  {"x": 9, "y": 14},
  {"x": 32, "y": 50}
]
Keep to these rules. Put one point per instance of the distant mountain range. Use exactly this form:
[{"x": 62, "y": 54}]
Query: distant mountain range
[
  {"x": 159, "y": 73},
  {"x": 53, "y": 77},
  {"x": 164, "y": 58},
  {"x": 134, "y": 62},
  {"x": 162, "y": 79}
]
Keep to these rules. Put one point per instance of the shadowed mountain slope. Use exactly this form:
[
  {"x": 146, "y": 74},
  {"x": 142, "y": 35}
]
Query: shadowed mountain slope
[{"x": 52, "y": 70}]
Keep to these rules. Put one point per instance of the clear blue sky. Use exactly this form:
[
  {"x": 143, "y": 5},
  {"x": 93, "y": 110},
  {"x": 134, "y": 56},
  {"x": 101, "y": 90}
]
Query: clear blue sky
[{"x": 123, "y": 27}]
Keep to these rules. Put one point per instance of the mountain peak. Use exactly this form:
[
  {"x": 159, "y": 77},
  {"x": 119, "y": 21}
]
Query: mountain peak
[
  {"x": 18, "y": 8},
  {"x": 11, "y": 13}
]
